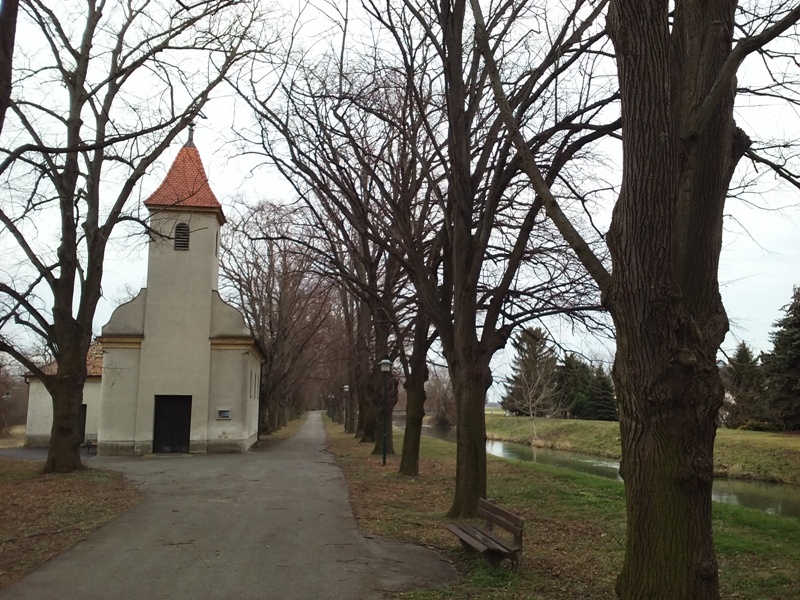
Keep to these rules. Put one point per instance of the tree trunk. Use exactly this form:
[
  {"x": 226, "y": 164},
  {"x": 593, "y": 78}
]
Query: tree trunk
[
  {"x": 8, "y": 29},
  {"x": 63, "y": 453},
  {"x": 274, "y": 423},
  {"x": 352, "y": 413},
  {"x": 471, "y": 377},
  {"x": 665, "y": 240},
  {"x": 668, "y": 408},
  {"x": 367, "y": 415},
  {"x": 365, "y": 431},
  {"x": 415, "y": 412}
]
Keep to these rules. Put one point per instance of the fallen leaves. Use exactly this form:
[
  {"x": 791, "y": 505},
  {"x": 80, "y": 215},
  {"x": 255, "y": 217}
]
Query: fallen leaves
[{"x": 44, "y": 515}]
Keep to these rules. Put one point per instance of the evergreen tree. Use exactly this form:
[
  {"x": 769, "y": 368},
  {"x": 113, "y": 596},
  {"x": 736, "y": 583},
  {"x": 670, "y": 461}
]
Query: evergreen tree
[
  {"x": 782, "y": 367},
  {"x": 531, "y": 388},
  {"x": 601, "y": 404},
  {"x": 573, "y": 379},
  {"x": 746, "y": 401}
]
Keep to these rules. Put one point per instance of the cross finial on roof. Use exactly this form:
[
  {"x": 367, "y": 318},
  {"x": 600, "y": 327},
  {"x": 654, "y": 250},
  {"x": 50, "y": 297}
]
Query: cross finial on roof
[{"x": 190, "y": 142}]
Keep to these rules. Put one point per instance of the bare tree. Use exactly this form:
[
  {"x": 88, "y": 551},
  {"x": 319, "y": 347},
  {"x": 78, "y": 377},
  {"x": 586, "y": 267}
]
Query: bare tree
[
  {"x": 440, "y": 398},
  {"x": 677, "y": 66},
  {"x": 501, "y": 265},
  {"x": 270, "y": 279},
  {"x": 458, "y": 219},
  {"x": 345, "y": 167},
  {"x": 99, "y": 96},
  {"x": 8, "y": 29}
]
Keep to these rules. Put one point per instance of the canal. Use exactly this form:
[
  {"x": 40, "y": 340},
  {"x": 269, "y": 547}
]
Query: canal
[{"x": 772, "y": 498}]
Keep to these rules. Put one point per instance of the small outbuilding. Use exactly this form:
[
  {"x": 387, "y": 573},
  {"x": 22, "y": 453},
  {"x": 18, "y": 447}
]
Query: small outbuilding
[{"x": 40, "y": 404}]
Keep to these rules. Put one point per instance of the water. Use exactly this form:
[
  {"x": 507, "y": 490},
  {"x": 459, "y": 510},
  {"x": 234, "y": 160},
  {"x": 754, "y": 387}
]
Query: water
[{"x": 772, "y": 498}]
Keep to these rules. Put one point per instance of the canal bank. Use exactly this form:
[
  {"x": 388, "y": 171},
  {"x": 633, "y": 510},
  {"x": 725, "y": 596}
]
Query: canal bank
[
  {"x": 738, "y": 454},
  {"x": 769, "y": 497}
]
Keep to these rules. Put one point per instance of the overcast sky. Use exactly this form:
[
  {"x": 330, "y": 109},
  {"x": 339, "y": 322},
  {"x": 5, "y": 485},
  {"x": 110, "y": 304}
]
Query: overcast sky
[
  {"x": 759, "y": 265},
  {"x": 760, "y": 259}
]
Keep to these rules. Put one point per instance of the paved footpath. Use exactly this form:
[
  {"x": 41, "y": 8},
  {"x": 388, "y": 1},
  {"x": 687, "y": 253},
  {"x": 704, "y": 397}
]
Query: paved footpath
[{"x": 273, "y": 524}]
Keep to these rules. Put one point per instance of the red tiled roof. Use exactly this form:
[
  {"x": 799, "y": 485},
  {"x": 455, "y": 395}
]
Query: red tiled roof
[
  {"x": 94, "y": 362},
  {"x": 186, "y": 184}
]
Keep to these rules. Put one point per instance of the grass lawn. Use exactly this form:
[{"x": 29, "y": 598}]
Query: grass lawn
[
  {"x": 739, "y": 454},
  {"x": 15, "y": 439},
  {"x": 44, "y": 515},
  {"x": 574, "y": 529}
]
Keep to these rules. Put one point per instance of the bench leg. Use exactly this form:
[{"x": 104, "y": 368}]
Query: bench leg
[
  {"x": 466, "y": 546},
  {"x": 495, "y": 559}
]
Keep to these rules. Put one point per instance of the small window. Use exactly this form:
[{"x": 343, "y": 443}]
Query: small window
[{"x": 181, "y": 236}]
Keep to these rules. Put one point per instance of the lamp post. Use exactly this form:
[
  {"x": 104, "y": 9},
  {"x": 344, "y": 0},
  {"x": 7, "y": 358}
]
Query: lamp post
[
  {"x": 345, "y": 389},
  {"x": 386, "y": 365}
]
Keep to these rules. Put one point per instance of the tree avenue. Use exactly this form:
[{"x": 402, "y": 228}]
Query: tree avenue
[{"x": 394, "y": 143}]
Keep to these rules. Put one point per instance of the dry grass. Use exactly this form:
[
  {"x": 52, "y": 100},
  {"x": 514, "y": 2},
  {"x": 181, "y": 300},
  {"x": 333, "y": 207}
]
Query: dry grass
[
  {"x": 559, "y": 557},
  {"x": 574, "y": 529},
  {"x": 15, "y": 437},
  {"x": 44, "y": 515}
]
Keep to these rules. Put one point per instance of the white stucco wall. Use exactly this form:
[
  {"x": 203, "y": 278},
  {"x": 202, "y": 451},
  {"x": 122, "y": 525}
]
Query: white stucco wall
[
  {"x": 116, "y": 431},
  {"x": 176, "y": 353},
  {"x": 234, "y": 371},
  {"x": 128, "y": 319},
  {"x": 226, "y": 321},
  {"x": 251, "y": 423},
  {"x": 40, "y": 415}
]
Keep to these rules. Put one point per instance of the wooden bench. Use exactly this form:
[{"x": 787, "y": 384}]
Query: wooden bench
[{"x": 486, "y": 540}]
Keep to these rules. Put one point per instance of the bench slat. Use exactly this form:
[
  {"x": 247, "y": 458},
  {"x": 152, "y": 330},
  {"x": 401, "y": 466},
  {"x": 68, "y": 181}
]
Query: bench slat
[
  {"x": 469, "y": 539},
  {"x": 492, "y": 508},
  {"x": 489, "y": 539},
  {"x": 513, "y": 530}
]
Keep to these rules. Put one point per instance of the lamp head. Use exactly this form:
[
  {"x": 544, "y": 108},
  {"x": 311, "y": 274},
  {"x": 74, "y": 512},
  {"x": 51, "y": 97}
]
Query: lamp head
[{"x": 386, "y": 365}]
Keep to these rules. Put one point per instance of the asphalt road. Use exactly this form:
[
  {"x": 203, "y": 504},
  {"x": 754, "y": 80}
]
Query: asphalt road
[{"x": 274, "y": 524}]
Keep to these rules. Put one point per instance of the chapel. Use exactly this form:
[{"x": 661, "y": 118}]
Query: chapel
[{"x": 180, "y": 369}]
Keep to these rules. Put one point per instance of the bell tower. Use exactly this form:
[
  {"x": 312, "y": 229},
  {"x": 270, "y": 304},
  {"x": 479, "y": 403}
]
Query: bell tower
[
  {"x": 182, "y": 281},
  {"x": 185, "y": 217}
]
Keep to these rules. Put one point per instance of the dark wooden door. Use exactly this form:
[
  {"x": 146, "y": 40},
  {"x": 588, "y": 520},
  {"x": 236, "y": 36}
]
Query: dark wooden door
[{"x": 172, "y": 424}]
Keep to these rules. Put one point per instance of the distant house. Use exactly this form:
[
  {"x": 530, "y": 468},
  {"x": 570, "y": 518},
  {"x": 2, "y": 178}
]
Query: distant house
[{"x": 180, "y": 370}]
